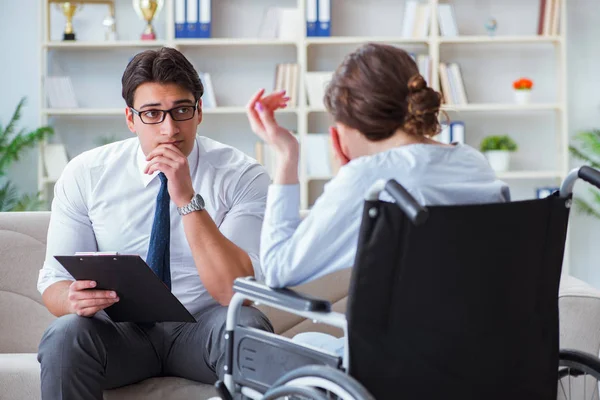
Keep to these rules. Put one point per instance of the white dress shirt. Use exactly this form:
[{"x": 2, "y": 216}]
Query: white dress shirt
[
  {"x": 104, "y": 202},
  {"x": 294, "y": 251}
]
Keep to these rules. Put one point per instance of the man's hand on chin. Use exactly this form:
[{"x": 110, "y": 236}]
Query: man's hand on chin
[{"x": 168, "y": 159}]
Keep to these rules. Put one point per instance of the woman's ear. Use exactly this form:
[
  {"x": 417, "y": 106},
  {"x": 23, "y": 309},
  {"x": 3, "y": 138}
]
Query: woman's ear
[{"x": 340, "y": 156}]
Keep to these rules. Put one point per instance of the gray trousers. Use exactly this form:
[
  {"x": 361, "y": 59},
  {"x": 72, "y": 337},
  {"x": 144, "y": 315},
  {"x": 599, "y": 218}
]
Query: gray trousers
[{"x": 80, "y": 357}]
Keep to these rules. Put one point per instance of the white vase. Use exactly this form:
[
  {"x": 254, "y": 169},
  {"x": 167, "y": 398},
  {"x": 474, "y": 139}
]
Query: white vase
[
  {"x": 522, "y": 96},
  {"x": 499, "y": 159}
]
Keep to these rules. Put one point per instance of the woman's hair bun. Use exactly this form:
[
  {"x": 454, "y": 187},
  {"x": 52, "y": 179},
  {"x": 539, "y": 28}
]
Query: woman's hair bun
[{"x": 416, "y": 83}]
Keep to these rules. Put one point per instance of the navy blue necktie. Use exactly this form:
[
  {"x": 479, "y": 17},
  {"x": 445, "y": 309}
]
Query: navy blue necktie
[{"x": 158, "y": 251}]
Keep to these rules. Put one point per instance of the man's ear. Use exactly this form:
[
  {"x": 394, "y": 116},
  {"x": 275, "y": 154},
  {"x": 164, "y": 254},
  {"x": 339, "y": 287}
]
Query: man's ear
[{"x": 129, "y": 115}]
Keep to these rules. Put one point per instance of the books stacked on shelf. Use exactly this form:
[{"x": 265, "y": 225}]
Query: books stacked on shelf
[
  {"x": 281, "y": 23},
  {"x": 424, "y": 63},
  {"x": 549, "y": 17},
  {"x": 265, "y": 155},
  {"x": 454, "y": 132},
  {"x": 286, "y": 78},
  {"x": 417, "y": 17},
  {"x": 447, "y": 20},
  {"x": 209, "y": 99},
  {"x": 316, "y": 82},
  {"x": 60, "y": 92},
  {"x": 192, "y": 19},
  {"x": 318, "y": 18},
  {"x": 452, "y": 84}
]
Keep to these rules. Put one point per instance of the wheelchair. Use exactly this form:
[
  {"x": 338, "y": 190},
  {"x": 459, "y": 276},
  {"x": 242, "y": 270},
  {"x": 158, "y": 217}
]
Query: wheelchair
[{"x": 445, "y": 302}]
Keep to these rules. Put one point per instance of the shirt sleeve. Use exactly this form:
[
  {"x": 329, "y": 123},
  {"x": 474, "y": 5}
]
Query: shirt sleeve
[
  {"x": 243, "y": 221},
  {"x": 294, "y": 251},
  {"x": 70, "y": 228}
]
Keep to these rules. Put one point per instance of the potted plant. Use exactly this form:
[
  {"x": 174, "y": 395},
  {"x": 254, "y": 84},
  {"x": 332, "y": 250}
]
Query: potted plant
[
  {"x": 523, "y": 88},
  {"x": 497, "y": 150},
  {"x": 587, "y": 149},
  {"x": 12, "y": 145}
]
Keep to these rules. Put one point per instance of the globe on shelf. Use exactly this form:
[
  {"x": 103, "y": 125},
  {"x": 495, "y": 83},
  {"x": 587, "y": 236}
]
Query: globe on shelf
[{"x": 491, "y": 25}]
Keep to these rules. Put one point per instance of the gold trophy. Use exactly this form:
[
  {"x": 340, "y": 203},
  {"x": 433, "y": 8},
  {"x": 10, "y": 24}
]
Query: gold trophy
[
  {"x": 68, "y": 8},
  {"x": 148, "y": 10}
]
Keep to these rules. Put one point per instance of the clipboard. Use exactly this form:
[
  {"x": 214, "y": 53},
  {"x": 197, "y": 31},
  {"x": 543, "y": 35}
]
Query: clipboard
[{"x": 143, "y": 297}]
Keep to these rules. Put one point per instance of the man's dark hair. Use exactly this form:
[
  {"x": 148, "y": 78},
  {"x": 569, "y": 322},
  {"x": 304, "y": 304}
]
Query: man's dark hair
[{"x": 165, "y": 65}]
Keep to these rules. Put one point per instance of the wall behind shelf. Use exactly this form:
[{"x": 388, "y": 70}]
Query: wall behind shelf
[{"x": 20, "y": 40}]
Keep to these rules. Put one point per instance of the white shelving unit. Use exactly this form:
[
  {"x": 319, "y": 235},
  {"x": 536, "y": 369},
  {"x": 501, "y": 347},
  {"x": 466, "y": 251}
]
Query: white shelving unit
[{"x": 240, "y": 63}]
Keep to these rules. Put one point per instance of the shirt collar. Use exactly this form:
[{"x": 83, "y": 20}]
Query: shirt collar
[{"x": 193, "y": 159}]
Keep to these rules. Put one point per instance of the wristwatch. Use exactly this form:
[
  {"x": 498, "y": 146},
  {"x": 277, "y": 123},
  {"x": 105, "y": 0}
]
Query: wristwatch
[{"x": 197, "y": 204}]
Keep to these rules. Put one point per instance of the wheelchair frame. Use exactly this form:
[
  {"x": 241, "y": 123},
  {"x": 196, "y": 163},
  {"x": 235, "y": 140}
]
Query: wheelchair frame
[{"x": 319, "y": 311}]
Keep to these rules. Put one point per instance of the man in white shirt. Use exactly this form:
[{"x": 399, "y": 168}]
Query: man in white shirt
[{"x": 191, "y": 207}]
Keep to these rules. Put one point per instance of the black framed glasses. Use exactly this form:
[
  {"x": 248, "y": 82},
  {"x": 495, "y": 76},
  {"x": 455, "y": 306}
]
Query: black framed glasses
[{"x": 179, "y": 113}]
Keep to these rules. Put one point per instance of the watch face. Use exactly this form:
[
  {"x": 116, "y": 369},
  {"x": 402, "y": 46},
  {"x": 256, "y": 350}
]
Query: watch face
[{"x": 198, "y": 201}]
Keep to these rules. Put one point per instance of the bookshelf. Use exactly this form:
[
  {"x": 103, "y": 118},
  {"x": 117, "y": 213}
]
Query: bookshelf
[{"x": 240, "y": 63}]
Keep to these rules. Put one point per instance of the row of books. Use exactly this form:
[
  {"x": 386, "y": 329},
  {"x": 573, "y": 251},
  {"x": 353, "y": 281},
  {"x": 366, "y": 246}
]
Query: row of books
[
  {"x": 451, "y": 82},
  {"x": 192, "y": 19},
  {"x": 286, "y": 78},
  {"x": 60, "y": 93},
  {"x": 549, "y": 17},
  {"x": 417, "y": 20}
]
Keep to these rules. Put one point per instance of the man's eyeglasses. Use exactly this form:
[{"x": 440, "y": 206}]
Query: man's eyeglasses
[{"x": 181, "y": 113}]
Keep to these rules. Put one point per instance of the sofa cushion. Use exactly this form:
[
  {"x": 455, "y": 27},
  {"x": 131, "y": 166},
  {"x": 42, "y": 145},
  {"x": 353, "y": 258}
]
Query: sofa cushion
[
  {"x": 20, "y": 380},
  {"x": 19, "y": 376}
]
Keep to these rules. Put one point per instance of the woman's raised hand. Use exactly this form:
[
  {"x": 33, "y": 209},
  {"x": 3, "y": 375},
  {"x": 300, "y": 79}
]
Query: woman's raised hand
[{"x": 261, "y": 114}]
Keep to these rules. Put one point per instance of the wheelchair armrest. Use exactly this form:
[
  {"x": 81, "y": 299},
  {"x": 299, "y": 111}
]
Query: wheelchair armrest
[{"x": 287, "y": 298}]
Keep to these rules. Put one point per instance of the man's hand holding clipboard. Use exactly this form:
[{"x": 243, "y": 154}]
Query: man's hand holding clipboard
[{"x": 122, "y": 285}]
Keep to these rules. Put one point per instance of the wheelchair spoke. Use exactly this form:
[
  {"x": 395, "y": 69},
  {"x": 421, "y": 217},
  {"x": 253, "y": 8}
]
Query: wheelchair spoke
[{"x": 563, "y": 388}]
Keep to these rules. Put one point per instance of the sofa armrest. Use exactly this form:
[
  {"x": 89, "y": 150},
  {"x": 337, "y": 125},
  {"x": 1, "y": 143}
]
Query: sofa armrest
[{"x": 579, "y": 307}]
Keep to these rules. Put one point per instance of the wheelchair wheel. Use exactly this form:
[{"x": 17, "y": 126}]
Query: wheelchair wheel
[
  {"x": 578, "y": 375},
  {"x": 325, "y": 383}
]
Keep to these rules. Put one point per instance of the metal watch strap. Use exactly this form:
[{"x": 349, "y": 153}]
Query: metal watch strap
[{"x": 196, "y": 204}]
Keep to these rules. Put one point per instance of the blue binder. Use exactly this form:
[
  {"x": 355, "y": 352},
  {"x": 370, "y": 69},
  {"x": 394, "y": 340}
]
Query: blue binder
[
  {"x": 191, "y": 16},
  {"x": 457, "y": 132},
  {"x": 324, "y": 18},
  {"x": 180, "y": 21},
  {"x": 204, "y": 19},
  {"x": 311, "y": 18}
]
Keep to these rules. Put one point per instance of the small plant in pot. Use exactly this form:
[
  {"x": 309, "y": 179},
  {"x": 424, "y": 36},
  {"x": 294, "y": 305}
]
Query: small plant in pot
[
  {"x": 523, "y": 88},
  {"x": 497, "y": 150}
]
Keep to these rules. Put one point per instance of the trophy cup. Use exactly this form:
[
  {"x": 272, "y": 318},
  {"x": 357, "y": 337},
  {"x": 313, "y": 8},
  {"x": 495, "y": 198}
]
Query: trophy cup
[
  {"x": 147, "y": 10},
  {"x": 68, "y": 8}
]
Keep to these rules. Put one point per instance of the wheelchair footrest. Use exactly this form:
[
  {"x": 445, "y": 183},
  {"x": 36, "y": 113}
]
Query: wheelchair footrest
[{"x": 260, "y": 358}]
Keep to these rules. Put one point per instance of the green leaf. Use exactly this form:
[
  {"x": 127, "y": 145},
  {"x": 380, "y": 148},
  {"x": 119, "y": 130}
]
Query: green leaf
[
  {"x": 10, "y": 127},
  {"x": 8, "y": 197},
  {"x": 29, "y": 202},
  {"x": 20, "y": 142},
  {"x": 590, "y": 141},
  {"x": 504, "y": 142}
]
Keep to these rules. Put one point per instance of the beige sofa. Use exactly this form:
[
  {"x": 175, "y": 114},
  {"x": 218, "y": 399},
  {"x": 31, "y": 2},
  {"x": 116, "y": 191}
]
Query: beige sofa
[{"x": 23, "y": 318}]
